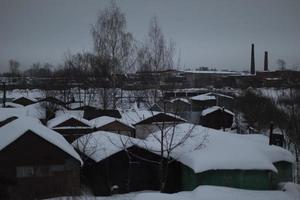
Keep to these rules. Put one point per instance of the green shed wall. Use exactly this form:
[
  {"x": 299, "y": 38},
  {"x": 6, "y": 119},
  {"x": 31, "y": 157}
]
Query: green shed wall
[
  {"x": 245, "y": 179},
  {"x": 284, "y": 174}
]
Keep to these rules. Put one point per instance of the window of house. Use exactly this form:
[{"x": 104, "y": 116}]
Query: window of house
[
  {"x": 25, "y": 171},
  {"x": 56, "y": 168}
]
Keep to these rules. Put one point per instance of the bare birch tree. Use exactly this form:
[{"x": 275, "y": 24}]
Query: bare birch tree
[
  {"x": 155, "y": 54},
  {"x": 114, "y": 44}
]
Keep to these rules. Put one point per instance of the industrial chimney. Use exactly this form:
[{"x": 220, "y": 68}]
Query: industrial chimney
[
  {"x": 266, "y": 64},
  {"x": 252, "y": 60}
]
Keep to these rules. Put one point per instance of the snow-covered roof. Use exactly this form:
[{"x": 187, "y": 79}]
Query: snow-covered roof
[
  {"x": 210, "y": 72},
  {"x": 101, "y": 144},
  {"x": 213, "y": 109},
  {"x": 136, "y": 116},
  {"x": 203, "y": 97},
  {"x": 209, "y": 149},
  {"x": 33, "y": 110},
  {"x": 62, "y": 118},
  {"x": 77, "y": 113},
  {"x": 36, "y": 110},
  {"x": 15, "y": 129},
  {"x": 104, "y": 120},
  {"x": 26, "y": 97},
  {"x": 13, "y": 105},
  {"x": 180, "y": 99},
  {"x": 6, "y": 113}
]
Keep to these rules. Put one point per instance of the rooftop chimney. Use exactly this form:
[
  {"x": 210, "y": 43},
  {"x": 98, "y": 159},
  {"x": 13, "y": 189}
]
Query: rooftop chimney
[
  {"x": 252, "y": 60},
  {"x": 266, "y": 64}
]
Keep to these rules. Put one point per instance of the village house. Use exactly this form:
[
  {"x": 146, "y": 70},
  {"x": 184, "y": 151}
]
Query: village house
[
  {"x": 210, "y": 157},
  {"x": 24, "y": 101},
  {"x": 147, "y": 122},
  {"x": 90, "y": 113},
  {"x": 113, "y": 125},
  {"x": 70, "y": 126},
  {"x": 36, "y": 162},
  {"x": 216, "y": 117},
  {"x": 203, "y": 101},
  {"x": 117, "y": 164}
]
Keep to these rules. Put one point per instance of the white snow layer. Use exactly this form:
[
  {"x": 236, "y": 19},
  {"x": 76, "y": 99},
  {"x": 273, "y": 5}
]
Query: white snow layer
[
  {"x": 13, "y": 130},
  {"x": 202, "y": 148},
  {"x": 135, "y": 116},
  {"x": 101, "y": 121},
  {"x": 203, "y": 97},
  {"x": 205, "y": 149},
  {"x": 101, "y": 144},
  {"x": 225, "y": 193},
  {"x": 35, "y": 110},
  {"x": 213, "y": 109},
  {"x": 62, "y": 118}
]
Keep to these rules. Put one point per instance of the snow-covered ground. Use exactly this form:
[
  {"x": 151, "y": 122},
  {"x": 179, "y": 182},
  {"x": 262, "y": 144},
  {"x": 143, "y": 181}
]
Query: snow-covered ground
[{"x": 290, "y": 191}]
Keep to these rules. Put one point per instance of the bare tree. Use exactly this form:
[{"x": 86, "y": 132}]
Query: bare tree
[
  {"x": 154, "y": 55},
  {"x": 14, "y": 68},
  {"x": 290, "y": 124},
  {"x": 282, "y": 64},
  {"x": 114, "y": 46}
]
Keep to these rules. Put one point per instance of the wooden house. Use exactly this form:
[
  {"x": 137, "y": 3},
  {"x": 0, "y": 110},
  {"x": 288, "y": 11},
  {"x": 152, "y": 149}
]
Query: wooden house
[
  {"x": 216, "y": 117},
  {"x": 94, "y": 113},
  {"x": 24, "y": 101},
  {"x": 70, "y": 126},
  {"x": 147, "y": 122},
  {"x": 114, "y": 125},
  {"x": 115, "y": 164},
  {"x": 203, "y": 101},
  {"x": 36, "y": 162},
  {"x": 53, "y": 101}
]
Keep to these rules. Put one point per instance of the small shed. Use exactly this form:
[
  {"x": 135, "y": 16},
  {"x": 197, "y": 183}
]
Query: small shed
[
  {"x": 147, "y": 122},
  {"x": 37, "y": 162},
  {"x": 203, "y": 101},
  {"x": 70, "y": 126},
  {"x": 210, "y": 157},
  {"x": 116, "y": 164},
  {"x": 24, "y": 101},
  {"x": 181, "y": 105},
  {"x": 94, "y": 113},
  {"x": 216, "y": 117},
  {"x": 114, "y": 125}
]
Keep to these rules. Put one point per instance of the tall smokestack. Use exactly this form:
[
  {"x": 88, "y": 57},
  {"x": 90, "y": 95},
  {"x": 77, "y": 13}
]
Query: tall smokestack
[
  {"x": 266, "y": 63},
  {"x": 252, "y": 60}
]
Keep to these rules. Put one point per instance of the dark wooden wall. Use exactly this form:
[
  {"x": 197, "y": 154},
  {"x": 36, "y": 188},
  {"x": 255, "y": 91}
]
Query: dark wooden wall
[{"x": 32, "y": 150}]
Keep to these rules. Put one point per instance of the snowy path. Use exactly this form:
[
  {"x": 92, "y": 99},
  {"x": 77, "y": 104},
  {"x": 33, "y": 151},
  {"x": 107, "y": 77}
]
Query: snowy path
[{"x": 291, "y": 192}]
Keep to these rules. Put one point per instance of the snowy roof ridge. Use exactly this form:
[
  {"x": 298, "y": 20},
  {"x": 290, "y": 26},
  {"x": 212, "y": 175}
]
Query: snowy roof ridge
[
  {"x": 136, "y": 116},
  {"x": 104, "y": 120},
  {"x": 26, "y": 97},
  {"x": 15, "y": 129},
  {"x": 214, "y": 108},
  {"x": 180, "y": 99},
  {"x": 62, "y": 118},
  {"x": 100, "y": 145},
  {"x": 203, "y": 97}
]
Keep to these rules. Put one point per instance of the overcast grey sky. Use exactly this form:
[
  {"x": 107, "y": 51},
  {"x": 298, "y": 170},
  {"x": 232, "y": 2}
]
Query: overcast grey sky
[{"x": 213, "y": 33}]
